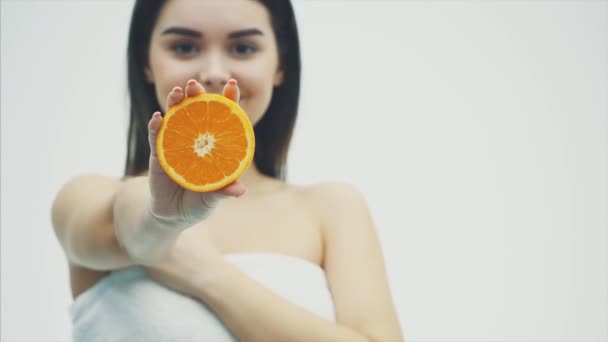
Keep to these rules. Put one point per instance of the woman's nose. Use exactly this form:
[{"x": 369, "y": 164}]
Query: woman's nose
[{"x": 215, "y": 74}]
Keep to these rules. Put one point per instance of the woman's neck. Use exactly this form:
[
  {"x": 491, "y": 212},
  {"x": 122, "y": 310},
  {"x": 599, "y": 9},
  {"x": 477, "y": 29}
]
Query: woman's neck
[{"x": 258, "y": 183}]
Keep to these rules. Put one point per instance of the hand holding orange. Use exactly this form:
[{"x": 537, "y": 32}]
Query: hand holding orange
[{"x": 205, "y": 142}]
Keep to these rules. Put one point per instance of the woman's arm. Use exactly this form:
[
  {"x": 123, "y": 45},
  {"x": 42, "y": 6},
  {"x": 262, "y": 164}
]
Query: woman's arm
[
  {"x": 104, "y": 224},
  {"x": 355, "y": 266},
  {"x": 89, "y": 214},
  {"x": 252, "y": 312}
]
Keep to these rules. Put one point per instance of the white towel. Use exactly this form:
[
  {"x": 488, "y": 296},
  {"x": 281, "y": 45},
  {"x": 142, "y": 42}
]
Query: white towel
[{"x": 127, "y": 305}]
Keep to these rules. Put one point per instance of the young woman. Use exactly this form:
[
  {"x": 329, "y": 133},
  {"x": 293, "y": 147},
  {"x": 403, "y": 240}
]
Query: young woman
[{"x": 259, "y": 260}]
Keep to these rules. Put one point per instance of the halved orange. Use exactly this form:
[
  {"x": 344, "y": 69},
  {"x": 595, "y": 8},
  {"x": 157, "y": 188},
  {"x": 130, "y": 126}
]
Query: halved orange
[{"x": 205, "y": 142}]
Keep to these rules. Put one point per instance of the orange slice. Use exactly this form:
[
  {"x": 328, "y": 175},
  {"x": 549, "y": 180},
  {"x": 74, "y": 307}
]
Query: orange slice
[{"x": 205, "y": 142}]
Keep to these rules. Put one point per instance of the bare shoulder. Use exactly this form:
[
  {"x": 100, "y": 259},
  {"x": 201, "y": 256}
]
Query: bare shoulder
[
  {"x": 82, "y": 187},
  {"x": 79, "y": 193},
  {"x": 341, "y": 210},
  {"x": 86, "y": 182},
  {"x": 333, "y": 198},
  {"x": 335, "y": 188}
]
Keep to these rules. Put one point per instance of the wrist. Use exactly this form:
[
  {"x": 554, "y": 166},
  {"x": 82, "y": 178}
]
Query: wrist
[
  {"x": 161, "y": 222},
  {"x": 145, "y": 238},
  {"x": 183, "y": 210}
]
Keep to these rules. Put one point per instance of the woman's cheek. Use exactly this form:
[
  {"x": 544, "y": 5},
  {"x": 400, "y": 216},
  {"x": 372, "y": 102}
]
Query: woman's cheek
[{"x": 256, "y": 106}]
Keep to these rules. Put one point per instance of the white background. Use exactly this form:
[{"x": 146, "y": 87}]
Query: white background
[{"x": 477, "y": 131}]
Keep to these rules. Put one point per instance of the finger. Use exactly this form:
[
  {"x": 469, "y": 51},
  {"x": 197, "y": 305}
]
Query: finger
[
  {"x": 194, "y": 88},
  {"x": 231, "y": 91},
  {"x": 153, "y": 127},
  {"x": 175, "y": 96},
  {"x": 234, "y": 189}
]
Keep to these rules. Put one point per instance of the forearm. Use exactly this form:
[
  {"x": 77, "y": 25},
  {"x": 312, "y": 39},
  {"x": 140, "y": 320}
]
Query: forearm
[
  {"x": 254, "y": 313},
  {"x": 145, "y": 238}
]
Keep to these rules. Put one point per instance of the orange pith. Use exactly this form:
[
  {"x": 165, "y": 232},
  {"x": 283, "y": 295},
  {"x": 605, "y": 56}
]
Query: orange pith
[{"x": 205, "y": 142}]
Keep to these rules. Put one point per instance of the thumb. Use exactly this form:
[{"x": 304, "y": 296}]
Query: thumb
[
  {"x": 153, "y": 127},
  {"x": 154, "y": 167}
]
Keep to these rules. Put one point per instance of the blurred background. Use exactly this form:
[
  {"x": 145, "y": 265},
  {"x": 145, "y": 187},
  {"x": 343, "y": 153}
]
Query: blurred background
[{"x": 476, "y": 129}]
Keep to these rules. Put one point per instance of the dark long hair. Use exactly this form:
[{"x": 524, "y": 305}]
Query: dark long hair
[{"x": 272, "y": 133}]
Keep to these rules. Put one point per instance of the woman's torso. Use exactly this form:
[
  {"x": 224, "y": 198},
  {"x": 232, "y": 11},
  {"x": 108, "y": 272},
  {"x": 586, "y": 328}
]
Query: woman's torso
[{"x": 276, "y": 232}]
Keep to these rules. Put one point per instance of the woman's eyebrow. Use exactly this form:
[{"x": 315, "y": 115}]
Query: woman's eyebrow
[
  {"x": 196, "y": 34},
  {"x": 182, "y": 31},
  {"x": 243, "y": 33}
]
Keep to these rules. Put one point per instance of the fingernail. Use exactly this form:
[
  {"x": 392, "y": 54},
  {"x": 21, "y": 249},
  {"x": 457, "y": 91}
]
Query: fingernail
[
  {"x": 232, "y": 82},
  {"x": 177, "y": 89},
  {"x": 191, "y": 82}
]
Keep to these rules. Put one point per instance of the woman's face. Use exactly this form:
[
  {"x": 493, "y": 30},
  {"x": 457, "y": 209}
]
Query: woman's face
[{"x": 213, "y": 41}]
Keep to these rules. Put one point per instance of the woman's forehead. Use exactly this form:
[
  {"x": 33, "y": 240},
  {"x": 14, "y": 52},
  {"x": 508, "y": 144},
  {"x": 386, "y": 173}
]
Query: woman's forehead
[{"x": 211, "y": 16}]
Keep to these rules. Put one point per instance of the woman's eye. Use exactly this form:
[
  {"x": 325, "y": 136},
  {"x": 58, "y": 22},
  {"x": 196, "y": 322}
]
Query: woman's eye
[
  {"x": 243, "y": 49},
  {"x": 184, "y": 48}
]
